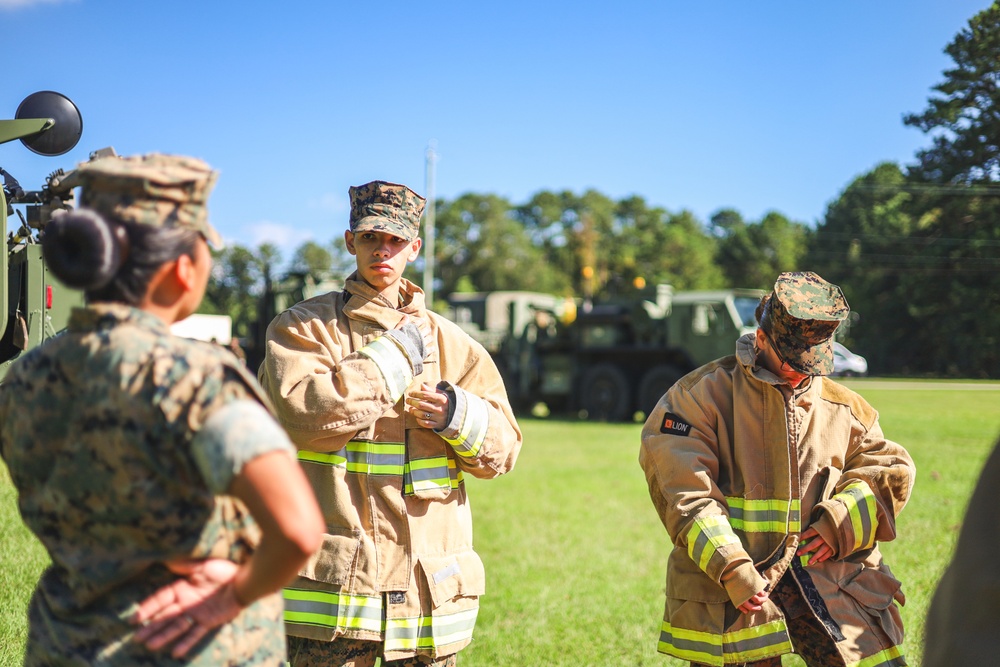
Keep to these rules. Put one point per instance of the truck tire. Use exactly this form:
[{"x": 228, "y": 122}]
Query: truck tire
[
  {"x": 604, "y": 393},
  {"x": 655, "y": 384}
]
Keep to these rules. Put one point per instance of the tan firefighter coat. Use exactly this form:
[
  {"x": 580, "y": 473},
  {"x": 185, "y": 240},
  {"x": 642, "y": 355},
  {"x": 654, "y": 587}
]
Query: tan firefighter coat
[
  {"x": 738, "y": 465},
  {"x": 399, "y": 525}
]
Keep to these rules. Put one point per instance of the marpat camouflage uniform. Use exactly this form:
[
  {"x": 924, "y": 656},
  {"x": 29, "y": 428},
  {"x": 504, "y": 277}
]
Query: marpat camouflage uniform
[{"x": 97, "y": 427}]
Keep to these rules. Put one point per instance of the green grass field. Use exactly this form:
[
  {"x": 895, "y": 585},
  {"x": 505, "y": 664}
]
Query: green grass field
[{"x": 575, "y": 555}]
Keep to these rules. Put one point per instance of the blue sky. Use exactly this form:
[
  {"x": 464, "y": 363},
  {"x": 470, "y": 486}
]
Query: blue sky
[{"x": 693, "y": 105}]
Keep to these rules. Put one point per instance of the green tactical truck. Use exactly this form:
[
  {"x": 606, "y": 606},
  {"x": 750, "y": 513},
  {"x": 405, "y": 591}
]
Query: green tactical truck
[
  {"x": 606, "y": 361},
  {"x": 33, "y": 305}
]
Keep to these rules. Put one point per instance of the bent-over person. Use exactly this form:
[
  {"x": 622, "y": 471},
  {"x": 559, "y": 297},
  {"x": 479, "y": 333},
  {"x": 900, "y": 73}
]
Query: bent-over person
[{"x": 776, "y": 485}]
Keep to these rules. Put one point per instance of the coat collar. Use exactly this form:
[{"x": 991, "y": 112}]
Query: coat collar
[
  {"x": 746, "y": 356},
  {"x": 364, "y": 302}
]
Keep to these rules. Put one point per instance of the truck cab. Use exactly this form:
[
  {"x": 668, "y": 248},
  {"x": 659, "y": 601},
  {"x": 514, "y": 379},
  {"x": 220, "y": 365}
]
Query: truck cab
[{"x": 34, "y": 306}]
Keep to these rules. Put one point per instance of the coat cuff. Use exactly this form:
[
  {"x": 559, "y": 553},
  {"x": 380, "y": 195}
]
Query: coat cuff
[
  {"x": 743, "y": 582},
  {"x": 397, "y": 359},
  {"x": 469, "y": 420},
  {"x": 849, "y": 520}
]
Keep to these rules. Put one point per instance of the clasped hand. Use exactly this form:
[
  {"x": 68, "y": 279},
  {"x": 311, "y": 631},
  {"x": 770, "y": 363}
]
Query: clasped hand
[{"x": 184, "y": 611}]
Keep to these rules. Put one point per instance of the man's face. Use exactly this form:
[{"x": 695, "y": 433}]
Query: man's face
[
  {"x": 773, "y": 362},
  {"x": 381, "y": 256}
]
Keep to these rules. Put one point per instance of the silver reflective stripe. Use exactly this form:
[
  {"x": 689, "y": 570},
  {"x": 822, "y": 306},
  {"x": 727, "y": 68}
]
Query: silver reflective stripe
[
  {"x": 363, "y": 457},
  {"x": 438, "y": 472},
  {"x": 764, "y": 516},
  {"x": 746, "y": 645},
  {"x": 890, "y": 657},
  {"x": 429, "y": 632},
  {"x": 707, "y": 535},
  {"x": 474, "y": 425},
  {"x": 333, "y": 610},
  {"x": 392, "y": 364},
  {"x": 862, "y": 508}
]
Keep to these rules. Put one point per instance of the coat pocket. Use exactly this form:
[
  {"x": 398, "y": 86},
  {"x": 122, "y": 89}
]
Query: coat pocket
[
  {"x": 336, "y": 559},
  {"x": 456, "y": 576},
  {"x": 874, "y": 588},
  {"x": 873, "y": 591}
]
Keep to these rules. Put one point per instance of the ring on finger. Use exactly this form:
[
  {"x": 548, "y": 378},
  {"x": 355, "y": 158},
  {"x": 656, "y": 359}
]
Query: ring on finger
[
  {"x": 427, "y": 415},
  {"x": 190, "y": 620}
]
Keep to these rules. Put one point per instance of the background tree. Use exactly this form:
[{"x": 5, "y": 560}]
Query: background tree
[
  {"x": 481, "y": 247},
  {"x": 753, "y": 254},
  {"x": 312, "y": 259},
  {"x": 864, "y": 244},
  {"x": 237, "y": 281},
  {"x": 965, "y": 117}
]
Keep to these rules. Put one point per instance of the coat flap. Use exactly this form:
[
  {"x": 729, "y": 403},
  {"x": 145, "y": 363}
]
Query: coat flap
[
  {"x": 774, "y": 566},
  {"x": 334, "y": 562},
  {"x": 873, "y": 588},
  {"x": 458, "y": 575}
]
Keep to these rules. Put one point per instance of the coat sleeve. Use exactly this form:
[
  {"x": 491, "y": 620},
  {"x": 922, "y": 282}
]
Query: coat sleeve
[
  {"x": 872, "y": 490},
  {"x": 323, "y": 393},
  {"x": 482, "y": 430},
  {"x": 680, "y": 456}
]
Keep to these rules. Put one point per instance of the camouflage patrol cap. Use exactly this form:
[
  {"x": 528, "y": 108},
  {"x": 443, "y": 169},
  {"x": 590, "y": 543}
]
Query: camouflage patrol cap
[
  {"x": 386, "y": 207},
  {"x": 800, "y": 317},
  {"x": 154, "y": 189}
]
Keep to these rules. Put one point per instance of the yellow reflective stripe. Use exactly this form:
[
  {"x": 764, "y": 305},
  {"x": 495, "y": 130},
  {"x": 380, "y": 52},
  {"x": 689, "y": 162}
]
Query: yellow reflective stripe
[
  {"x": 437, "y": 472},
  {"x": 708, "y": 535},
  {"x": 890, "y": 657},
  {"x": 772, "y": 515},
  {"x": 761, "y": 641},
  {"x": 703, "y": 647},
  {"x": 333, "y": 610},
  {"x": 324, "y": 458},
  {"x": 746, "y": 645},
  {"x": 363, "y": 457},
  {"x": 473, "y": 429},
  {"x": 429, "y": 632},
  {"x": 392, "y": 364},
  {"x": 860, "y": 502}
]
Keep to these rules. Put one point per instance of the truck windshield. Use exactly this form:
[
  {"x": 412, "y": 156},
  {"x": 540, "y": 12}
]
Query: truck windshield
[{"x": 745, "y": 306}]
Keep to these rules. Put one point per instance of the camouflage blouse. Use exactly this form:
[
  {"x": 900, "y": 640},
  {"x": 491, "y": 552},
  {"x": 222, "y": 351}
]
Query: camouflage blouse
[{"x": 96, "y": 428}]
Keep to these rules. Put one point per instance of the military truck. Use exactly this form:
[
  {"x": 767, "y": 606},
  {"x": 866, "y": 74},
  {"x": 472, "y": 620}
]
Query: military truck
[
  {"x": 606, "y": 361},
  {"x": 34, "y": 306}
]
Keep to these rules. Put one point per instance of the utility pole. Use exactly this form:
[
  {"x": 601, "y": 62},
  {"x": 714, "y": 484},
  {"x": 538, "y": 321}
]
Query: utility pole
[{"x": 429, "y": 226}]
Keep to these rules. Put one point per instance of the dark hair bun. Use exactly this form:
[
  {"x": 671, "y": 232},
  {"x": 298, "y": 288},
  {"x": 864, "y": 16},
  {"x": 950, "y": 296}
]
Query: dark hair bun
[{"x": 83, "y": 250}]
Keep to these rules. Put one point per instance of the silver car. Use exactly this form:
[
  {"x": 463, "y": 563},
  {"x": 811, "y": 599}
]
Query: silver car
[{"x": 846, "y": 363}]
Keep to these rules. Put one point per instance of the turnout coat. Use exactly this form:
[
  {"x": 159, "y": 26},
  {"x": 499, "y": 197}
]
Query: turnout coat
[
  {"x": 399, "y": 526},
  {"x": 738, "y": 465}
]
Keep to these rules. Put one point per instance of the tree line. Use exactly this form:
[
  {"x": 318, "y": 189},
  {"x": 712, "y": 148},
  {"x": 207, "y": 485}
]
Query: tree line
[{"x": 916, "y": 248}]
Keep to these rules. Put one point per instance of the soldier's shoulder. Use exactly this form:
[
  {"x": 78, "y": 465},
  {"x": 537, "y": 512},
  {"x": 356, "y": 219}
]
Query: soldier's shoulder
[
  {"x": 321, "y": 307},
  {"x": 834, "y": 392},
  {"x": 714, "y": 371}
]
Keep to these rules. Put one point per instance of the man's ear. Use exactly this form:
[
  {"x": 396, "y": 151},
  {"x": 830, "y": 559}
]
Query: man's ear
[
  {"x": 349, "y": 242},
  {"x": 414, "y": 249}
]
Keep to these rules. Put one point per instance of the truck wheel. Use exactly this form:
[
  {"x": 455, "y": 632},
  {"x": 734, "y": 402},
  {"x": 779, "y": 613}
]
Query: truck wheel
[
  {"x": 655, "y": 384},
  {"x": 604, "y": 393}
]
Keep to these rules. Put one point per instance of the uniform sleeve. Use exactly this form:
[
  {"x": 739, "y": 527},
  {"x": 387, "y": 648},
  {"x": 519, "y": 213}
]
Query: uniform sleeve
[
  {"x": 874, "y": 487},
  {"x": 679, "y": 454},
  {"x": 231, "y": 437},
  {"x": 482, "y": 431},
  {"x": 324, "y": 394}
]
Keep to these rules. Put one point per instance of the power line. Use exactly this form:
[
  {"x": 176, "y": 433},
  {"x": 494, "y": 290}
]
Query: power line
[{"x": 932, "y": 188}]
